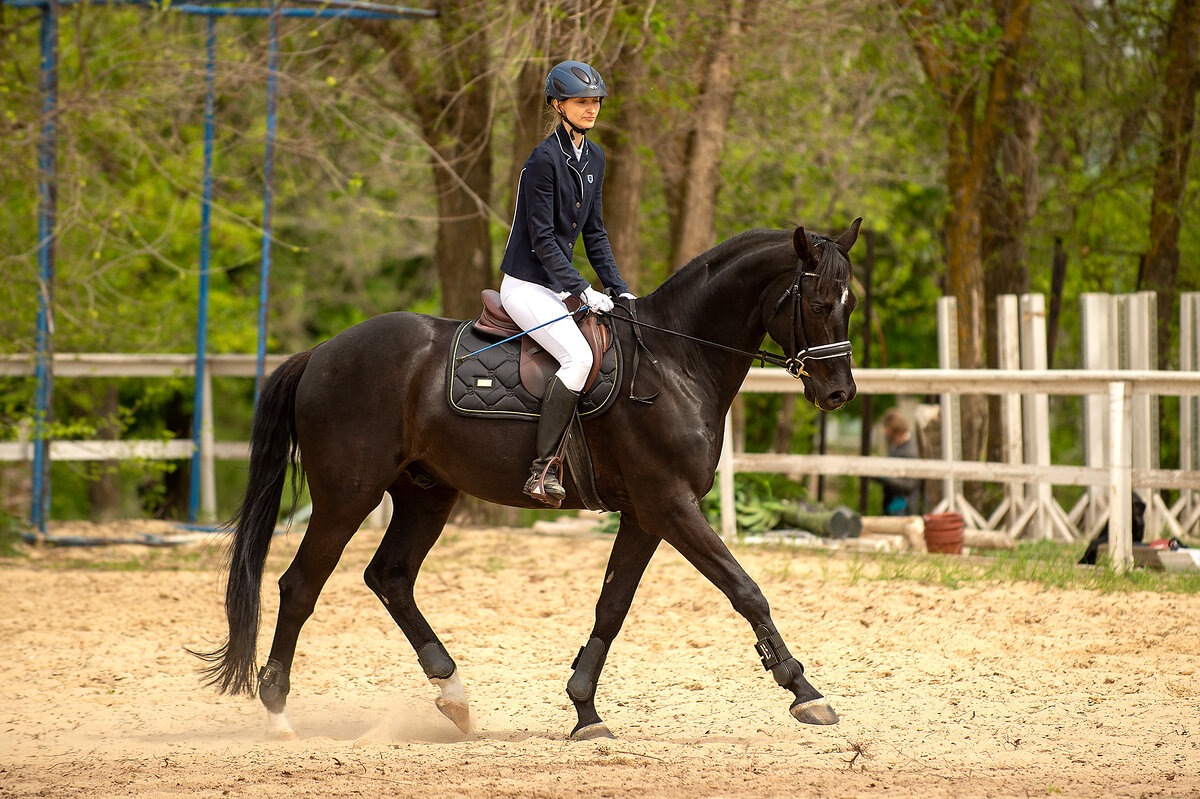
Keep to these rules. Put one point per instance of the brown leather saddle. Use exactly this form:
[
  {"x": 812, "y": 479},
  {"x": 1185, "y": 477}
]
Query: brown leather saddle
[{"x": 537, "y": 365}]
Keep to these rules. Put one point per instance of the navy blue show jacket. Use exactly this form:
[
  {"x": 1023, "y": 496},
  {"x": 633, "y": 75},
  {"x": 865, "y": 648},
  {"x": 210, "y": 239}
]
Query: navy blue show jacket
[{"x": 558, "y": 199}]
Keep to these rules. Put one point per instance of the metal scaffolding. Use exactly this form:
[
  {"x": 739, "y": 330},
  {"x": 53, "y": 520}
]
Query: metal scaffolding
[{"x": 272, "y": 10}]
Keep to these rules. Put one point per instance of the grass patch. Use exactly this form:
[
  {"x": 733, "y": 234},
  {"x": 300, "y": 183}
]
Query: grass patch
[
  {"x": 1042, "y": 562},
  {"x": 10, "y": 535},
  {"x": 128, "y": 558},
  {"x": 182, "y": 559}
]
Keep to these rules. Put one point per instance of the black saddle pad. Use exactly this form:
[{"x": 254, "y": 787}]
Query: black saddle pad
[{"x": 489, "y": 384}]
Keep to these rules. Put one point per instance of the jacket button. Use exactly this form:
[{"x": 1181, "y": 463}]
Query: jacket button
[
  {"x": 573, "y": 225},
  {"x": 571, "y": 245},
  {"x": 578, "y": 205}
]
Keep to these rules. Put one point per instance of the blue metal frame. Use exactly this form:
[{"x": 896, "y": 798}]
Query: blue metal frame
[
  {"x": 47, "y": 216},
  {"x": 268, "y": 223},
  {"x": 198, "y": 420},
  {"x": 47, "y": 207}
]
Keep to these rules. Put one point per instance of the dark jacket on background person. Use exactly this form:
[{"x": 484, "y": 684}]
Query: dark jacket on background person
[
  {"x": 901, "y": 495},
  {"x": 559, "y": 198}
]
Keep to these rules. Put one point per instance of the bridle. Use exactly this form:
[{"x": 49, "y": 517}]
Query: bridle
[{"x": 795, "y": 363}]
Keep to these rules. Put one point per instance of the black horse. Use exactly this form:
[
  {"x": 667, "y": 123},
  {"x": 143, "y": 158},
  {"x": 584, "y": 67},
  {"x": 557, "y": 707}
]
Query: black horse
[{"x": 366, "y": 412}]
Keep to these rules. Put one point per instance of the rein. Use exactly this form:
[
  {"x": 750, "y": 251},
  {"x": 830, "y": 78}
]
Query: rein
[{"x": 793, "y": 364}]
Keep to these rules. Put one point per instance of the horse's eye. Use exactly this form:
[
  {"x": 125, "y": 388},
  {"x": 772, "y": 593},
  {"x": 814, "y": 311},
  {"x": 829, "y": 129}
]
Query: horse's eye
[{"x": 819, "y": 309}]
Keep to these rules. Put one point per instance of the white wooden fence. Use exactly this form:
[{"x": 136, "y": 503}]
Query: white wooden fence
[
  {"x": 1118, "y": 388},
  {"x": 1115, "y": 394},
  {"x": 89, "y": 365},
  {"x": 1121, "y": 446}
]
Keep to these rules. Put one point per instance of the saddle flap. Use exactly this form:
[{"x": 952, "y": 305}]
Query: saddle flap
[
  {"x": 537, "y": 365},
  {"x": 485, "y": 380}
]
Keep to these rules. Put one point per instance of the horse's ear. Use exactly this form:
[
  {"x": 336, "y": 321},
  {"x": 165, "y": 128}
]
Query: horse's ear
[
  {"x": 805, "y": 249},
  {"x": 850, "y": 236}
]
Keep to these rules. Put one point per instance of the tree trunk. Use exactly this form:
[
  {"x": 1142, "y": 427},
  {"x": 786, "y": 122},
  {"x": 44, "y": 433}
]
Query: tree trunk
[
  {"x": 626, "y": 136},
  {"x": 104, "y": 489},
  {"x": 973, "y": 131},
  {"x": 528, "y": 122},
  {"x": 697, "y": 218},
  {"x": 453, "y": 102},
  {"x": 785, "y": 424},
  {"x": 177, "y": 482},
  {"x": 964, "y": 268},
  {"x": 1009, "y": 202},
  {"x": 1181, "y": 79}
]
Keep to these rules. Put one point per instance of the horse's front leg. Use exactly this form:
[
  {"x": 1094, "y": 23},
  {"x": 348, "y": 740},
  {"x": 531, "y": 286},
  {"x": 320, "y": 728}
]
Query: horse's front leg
[
  {"x": 631, "y": 552},
  {"x": 683, "y": 526}
]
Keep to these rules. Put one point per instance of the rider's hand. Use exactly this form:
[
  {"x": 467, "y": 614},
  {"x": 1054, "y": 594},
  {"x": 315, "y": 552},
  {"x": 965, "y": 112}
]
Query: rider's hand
[{"x": 596, "y": 301}]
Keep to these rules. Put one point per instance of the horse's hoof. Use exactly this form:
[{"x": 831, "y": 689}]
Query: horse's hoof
[
  {"x": 591, "y": 732},
  {"x": 456, "y": 710},
  {"x": 814, "y": 711},
  {"x": 283, "y": 735}
]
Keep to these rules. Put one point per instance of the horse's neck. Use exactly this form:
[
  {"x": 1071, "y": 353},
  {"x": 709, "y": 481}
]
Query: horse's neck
[{"x": 723, "y": 306}]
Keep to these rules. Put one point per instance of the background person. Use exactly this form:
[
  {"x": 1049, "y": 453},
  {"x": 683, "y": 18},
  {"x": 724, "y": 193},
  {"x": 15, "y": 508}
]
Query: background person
[{"x": 901, "y": 495}]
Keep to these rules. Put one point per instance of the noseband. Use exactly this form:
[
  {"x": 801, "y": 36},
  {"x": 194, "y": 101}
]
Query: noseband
[{"x": 795, "y": 363}]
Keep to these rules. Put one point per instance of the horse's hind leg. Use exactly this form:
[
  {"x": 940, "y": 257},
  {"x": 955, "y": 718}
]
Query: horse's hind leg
[
  {"x": 418, "y": 517},
  {"x": 326, "y": 537},
  {"x": 631, "y": 553}
]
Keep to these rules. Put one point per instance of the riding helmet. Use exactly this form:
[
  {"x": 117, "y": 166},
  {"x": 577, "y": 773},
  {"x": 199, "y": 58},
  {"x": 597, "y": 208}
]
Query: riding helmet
[{"x": 574, "y": 79}]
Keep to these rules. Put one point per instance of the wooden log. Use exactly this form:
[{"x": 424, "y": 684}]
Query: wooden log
[
  {"x": 986, "y": 539},
  {"x": 911, "y": 527},
  {"x": 876, "y": 542}
]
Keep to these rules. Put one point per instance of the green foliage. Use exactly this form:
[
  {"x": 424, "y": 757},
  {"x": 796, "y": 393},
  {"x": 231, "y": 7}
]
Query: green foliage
[
  {"x": 11, "y": 530},
  {"x": 761, "y": 502},
  {"x": 832, "y": 119}
]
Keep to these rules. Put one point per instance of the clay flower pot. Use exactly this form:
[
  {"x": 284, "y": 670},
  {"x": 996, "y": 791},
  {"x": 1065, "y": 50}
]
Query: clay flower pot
[{"x": 944, "y": 533}]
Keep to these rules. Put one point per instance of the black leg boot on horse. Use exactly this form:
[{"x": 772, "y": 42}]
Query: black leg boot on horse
[{"x": 558, "y": 409}]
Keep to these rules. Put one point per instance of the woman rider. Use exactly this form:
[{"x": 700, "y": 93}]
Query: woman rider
[{"x": 558, "y": 199}]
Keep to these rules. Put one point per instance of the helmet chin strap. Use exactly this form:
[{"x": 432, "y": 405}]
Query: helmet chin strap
[{"x": 567, "y": 122}]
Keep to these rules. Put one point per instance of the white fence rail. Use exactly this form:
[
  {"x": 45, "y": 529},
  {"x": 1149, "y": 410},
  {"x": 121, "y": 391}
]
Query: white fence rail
[
  {"x": 1118, "y": 388},
  {"x": 89, "y": 365}
]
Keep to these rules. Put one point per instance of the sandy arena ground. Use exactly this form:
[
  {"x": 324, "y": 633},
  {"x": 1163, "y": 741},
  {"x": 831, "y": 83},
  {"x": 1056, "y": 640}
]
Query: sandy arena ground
[{"x": 981, "y": 691}]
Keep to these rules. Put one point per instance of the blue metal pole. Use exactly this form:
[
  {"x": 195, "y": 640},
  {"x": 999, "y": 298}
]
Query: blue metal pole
[
  {"x": 198, "y": 417},
  {"x": 268, "y": 206},
  {"x": 47, "y": 217},
  {"x": 310, "y": 13}
]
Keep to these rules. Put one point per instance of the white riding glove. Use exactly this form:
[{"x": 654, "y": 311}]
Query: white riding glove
[{"x": 596, "y": 300}]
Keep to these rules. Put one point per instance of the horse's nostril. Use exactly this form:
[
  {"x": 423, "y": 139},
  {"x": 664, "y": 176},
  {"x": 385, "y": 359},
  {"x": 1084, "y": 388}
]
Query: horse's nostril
[{"x": 837, "y": 399}]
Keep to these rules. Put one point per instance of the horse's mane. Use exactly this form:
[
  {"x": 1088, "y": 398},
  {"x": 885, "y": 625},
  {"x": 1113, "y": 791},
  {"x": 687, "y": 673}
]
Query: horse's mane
[
  {"x": 721, "y": 255},
  {"x": 833, "y": 268},
  {"x": 834, "y": 265}
]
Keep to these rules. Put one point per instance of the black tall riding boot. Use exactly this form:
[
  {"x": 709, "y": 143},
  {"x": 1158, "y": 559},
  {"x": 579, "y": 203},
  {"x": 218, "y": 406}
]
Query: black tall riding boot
[{"x": 558, "y": 408}]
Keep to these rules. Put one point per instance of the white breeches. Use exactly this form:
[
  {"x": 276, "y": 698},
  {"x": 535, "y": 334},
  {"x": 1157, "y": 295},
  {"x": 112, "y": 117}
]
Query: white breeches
[{"x": 531, "y": 305}]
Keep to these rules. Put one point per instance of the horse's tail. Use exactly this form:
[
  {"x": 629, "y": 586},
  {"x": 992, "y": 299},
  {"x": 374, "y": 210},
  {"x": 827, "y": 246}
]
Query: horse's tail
[{"x": 273, "y": 449}]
